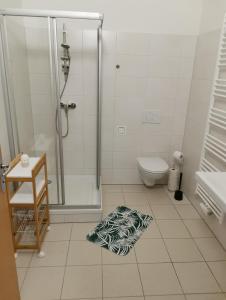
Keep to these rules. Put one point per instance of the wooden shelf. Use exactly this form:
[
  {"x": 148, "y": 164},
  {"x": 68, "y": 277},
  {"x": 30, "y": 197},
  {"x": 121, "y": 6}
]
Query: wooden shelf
[{"x": 28, "y": 201}]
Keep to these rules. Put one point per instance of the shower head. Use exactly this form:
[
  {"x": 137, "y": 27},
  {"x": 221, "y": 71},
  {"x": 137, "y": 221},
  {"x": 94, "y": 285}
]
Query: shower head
[{"x": 66, "y": 54}]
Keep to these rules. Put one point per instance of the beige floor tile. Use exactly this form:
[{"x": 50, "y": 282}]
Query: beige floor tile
[
  {"x": 187, "y": 212},
  {"x": 205, "y": 297},
  {"x": 151, "y": 251},
  {"x": 110, "y": 258},
  {"x": 165, "y": 212},
  {"x": 168, "y": 297},
  {"x": 121, "y": 281},
  {"x": 43, "y": 283},
  {"x": 144, "y": 209},
  {"x": 80, "y": 231},
  {"x": 152, "y": 232},
  {"x": 211, "y": 249},
  {"x": 196, "y": 278},
  {"x": 183, "y": 250},
  {"x": 198, "y": 228},
  {"x": 113, "y": 198},
  {"x": 159, "y": 279},
  {"x": 21, "y": 273},
  {"x": 23, "y": 259},
  {"x": 134, "y": 188},
  {"x": 219, "y": 271},
  {"x": 112, "y": 188},
  {"x": 82, "y": 282},
  {"x": 125, "y": 298},
  {"x": 84, "y": 253},
  {"x": 173, "y": 229},
  {"x": 135, "y": 199},
  {"x": 59, "y": 232},
  {"x": 158, "y": 196},
  {"x": 55, "y": 255}
]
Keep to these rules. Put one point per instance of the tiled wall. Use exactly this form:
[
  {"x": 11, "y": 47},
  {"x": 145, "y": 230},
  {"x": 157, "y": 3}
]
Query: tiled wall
[
  {"x": 204, "y": 68},
  {"x": 155, "y": 74}
]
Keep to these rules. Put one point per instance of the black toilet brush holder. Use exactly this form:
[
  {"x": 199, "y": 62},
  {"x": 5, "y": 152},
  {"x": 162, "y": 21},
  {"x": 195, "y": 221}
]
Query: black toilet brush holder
[{"x": 178, "y": 195}]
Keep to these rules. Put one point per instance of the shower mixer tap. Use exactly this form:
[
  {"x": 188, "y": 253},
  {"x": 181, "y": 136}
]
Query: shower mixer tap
[{"x": 68, "y": 106}]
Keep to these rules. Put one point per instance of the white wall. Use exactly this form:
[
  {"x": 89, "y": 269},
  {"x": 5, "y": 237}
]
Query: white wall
[
  {"x": 203, "y": 74},
  {"x": 155, "y": 16}
]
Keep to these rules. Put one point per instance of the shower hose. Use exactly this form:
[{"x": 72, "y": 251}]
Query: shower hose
[{"x": 65, "y": 109}]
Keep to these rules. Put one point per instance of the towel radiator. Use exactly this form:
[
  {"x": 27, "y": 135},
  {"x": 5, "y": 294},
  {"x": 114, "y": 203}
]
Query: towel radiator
[{"x": 213, "y": 157}]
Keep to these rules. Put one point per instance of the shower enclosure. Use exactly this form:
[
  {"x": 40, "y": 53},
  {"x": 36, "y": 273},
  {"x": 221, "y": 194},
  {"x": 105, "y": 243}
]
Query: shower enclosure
[{"x": 51, "y": 79}]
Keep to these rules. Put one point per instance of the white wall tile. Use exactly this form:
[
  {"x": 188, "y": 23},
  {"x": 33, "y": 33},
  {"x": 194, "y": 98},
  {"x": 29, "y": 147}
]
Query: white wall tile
[
  {"x": 132, "y": 65},
  {"x": 163, "y": 66},
  {"x": 130, "y": 86},
  {"x": 166, "y": 45},
  {"x": 124, "y": 159},
  {"x": 109, "y": 42},
  {"x": 132, "y": 43}
]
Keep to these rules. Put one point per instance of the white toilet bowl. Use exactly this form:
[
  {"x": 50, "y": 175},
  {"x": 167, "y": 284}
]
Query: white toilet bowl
[{"x": 151, "y": 169}]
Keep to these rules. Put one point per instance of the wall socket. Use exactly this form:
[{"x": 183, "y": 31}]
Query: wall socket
[{"x": 121, "y": 130}]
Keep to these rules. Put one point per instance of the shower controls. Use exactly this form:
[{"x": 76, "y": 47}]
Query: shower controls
[
  {"x": 72, "y": 105},
  {"x": 68, "y": 106}
]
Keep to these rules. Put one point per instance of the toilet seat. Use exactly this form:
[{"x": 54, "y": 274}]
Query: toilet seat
[{"x": 154, "y": 165}]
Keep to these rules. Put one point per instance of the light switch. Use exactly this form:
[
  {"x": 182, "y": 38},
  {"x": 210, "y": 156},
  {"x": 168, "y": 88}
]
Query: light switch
[
  {"x": 121, "y": 130},
  {"x": 151, "y": 116}
]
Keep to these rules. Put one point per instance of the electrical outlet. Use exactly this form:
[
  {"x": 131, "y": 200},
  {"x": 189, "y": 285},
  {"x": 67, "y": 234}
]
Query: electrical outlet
[{"x": 121, "y": 130}]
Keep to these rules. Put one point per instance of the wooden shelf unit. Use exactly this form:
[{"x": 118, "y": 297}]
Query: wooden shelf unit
[{"x": 27, "y": 194}]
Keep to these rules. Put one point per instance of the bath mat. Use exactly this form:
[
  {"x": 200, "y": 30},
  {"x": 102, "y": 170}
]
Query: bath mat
[{"x": 120, "y": 230}]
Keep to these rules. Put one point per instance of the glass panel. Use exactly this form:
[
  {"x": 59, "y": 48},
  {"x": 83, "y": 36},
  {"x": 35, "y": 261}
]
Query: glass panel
[
  {"x": 34, "y": 108},
  {"x": 80, "y": 123}
]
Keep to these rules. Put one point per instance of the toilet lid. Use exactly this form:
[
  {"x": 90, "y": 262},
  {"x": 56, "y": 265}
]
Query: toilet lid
[{"x": 153, "y": 164}]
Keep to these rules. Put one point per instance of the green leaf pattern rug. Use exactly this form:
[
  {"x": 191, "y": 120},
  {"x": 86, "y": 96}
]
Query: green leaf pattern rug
[{"x": 120, "y": 230}]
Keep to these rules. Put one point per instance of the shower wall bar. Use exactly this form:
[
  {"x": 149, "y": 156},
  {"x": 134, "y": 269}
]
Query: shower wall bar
[{"x": 52, "y": 14}]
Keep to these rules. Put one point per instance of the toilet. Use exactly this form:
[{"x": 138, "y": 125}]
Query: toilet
[{"x": 151, "y": 169}]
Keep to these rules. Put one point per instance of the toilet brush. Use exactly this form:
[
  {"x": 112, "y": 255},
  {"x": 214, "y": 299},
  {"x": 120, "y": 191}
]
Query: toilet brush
[{"x": 178, "y": 195}]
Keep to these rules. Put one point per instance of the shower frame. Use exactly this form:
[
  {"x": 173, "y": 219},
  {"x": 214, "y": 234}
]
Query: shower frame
[{"x": 51, "y": 16}]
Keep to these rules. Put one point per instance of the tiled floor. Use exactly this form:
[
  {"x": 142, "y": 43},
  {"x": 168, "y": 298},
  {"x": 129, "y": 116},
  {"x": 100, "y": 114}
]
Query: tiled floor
[{"x": 177, "y": 258}]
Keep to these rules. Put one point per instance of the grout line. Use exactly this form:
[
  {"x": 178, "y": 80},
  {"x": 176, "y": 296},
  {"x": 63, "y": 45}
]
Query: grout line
[
  {"x": 102, "y": 274},
  {"x": 65, "y": 266},
  {"x": 137, "y": 264},
  {"x": 170, "y": 260}
]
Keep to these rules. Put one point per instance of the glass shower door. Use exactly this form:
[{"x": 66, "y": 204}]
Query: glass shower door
[
  {"x": 79, "y": 125},
  {"x": 31, "y": 105}
]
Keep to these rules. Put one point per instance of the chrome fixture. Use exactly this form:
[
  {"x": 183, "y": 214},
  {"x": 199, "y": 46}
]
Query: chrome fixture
[{"x": 66, "y": 58}]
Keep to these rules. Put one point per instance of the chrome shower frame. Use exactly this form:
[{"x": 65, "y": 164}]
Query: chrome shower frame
[{"x": 51, "y": 16}]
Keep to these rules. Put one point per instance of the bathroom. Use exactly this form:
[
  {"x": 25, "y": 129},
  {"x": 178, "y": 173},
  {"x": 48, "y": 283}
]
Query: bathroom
[{"x": 137, "y": 85}]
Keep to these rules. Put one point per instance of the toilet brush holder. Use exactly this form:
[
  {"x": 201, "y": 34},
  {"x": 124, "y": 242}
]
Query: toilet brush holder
[{"x": 178, "y": 195}]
